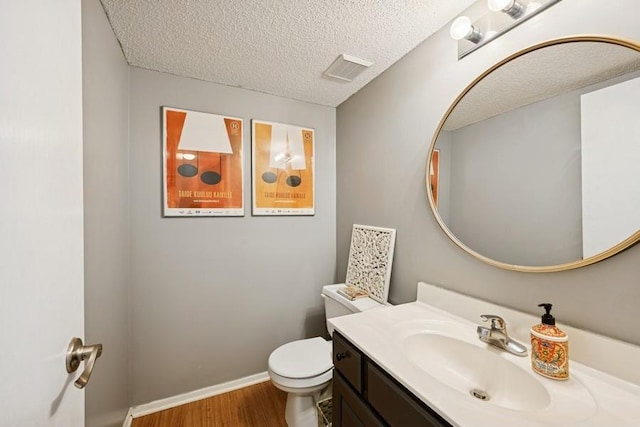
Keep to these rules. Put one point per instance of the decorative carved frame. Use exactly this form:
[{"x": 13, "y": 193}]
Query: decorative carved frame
[{"x": 370, "y": 260}]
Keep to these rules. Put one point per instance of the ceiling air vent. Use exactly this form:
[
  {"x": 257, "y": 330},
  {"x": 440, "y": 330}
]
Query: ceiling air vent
[{"x": 347, "y": 67}]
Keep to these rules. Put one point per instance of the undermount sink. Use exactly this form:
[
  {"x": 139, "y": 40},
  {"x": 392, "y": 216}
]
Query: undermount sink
[{"x": 475, "y": 371}]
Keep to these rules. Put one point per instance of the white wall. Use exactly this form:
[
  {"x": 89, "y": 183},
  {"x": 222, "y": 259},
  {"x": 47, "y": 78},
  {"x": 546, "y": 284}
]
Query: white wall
[
  {"x": 393, "y": 119},
  {"x": 212, "y": 297},
  {"x": 105, "y": 79}
]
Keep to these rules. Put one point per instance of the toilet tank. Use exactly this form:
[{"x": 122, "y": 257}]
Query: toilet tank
[{"x": 335, "y": 305}]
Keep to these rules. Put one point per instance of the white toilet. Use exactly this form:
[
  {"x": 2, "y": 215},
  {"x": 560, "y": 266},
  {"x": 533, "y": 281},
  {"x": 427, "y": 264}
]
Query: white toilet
[{"x": 304, "y": 368}]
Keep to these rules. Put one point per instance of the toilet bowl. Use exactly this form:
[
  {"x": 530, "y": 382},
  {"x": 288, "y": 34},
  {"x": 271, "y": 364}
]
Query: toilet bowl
[{"x": 304, "y": 368}]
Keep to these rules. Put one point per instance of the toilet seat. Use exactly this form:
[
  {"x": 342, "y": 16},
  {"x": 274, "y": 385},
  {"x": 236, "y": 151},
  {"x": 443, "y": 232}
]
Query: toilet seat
[
  {"x": 302, "y": 363},
  {"x": 295, "y": 385}
]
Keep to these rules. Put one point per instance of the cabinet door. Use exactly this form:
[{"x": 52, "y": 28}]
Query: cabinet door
[
  {"x": 395, "y": 404},
  {"x": 348, "y": 361},
  {"x": 349, "y": 410}
]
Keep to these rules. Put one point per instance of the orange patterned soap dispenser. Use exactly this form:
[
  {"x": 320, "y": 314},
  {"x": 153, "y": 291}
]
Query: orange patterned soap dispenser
[{"x": 549, "y": 348}]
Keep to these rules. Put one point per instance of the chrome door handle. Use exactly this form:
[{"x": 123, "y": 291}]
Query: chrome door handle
[{"x": 76, "y": 353}]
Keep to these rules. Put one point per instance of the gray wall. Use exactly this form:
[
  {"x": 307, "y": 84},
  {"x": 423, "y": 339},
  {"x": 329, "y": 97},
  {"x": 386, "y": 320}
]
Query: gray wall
[
  {"x": 212, "y": 297},
  {"x": 385, "y": 130},
  {"x": 106, "y": 122}
]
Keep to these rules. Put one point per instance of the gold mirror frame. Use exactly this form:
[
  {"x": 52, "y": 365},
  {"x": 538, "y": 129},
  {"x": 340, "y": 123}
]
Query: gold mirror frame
[{"x": 630, "y": 241}]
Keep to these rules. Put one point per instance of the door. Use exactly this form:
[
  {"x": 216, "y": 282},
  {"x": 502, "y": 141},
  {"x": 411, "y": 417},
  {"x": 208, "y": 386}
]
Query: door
[{"x": 41, "y": 243}]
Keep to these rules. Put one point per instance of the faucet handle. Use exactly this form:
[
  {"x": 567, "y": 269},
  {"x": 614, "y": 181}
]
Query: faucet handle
[{"x": 497, "y": 322}]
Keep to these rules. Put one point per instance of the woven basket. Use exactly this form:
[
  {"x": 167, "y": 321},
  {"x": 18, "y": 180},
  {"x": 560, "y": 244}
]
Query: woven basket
[{"x": 323, "y": 408}]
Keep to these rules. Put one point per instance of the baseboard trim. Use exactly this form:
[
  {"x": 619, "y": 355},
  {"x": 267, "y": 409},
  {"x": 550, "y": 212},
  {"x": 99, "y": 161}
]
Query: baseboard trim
[
  {"x": 181, "y": 399},
  {"x": 128, "y": 418}
]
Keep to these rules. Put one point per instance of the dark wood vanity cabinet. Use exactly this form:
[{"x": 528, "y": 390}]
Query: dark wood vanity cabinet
[{"x": 365, "y": 395}]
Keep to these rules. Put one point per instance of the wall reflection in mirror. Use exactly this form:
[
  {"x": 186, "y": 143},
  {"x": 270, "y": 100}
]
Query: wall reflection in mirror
[{"x": 538, "y": 159}]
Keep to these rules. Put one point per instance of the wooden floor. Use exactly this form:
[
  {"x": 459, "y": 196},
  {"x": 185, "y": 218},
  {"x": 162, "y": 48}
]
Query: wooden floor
[{"x": 260, "y": 405}]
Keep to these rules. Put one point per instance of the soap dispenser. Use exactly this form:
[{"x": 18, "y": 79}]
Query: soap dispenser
[{"x": 549, "y": 348}]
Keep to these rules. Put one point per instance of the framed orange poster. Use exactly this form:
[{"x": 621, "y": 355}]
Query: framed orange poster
[
  {"x": 283, "y": 169},
  {"x": 202, "y": 164}
]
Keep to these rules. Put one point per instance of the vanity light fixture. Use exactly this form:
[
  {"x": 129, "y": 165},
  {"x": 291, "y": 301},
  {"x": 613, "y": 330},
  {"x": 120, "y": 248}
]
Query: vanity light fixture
[{"x": 486, "y": 20}]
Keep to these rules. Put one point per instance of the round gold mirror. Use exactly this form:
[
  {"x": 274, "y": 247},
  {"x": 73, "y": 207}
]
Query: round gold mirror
[{"x": 533, "y": 167}]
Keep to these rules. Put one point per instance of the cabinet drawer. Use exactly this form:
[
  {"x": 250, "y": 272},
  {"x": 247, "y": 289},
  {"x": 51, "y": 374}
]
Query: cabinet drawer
[
  {"x": 396, "y": 405},
  {"x": 348, "y": 361}
]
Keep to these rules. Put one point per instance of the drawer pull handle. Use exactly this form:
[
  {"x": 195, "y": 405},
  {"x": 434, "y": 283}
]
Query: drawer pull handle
[{"x": 340, "y": 356}]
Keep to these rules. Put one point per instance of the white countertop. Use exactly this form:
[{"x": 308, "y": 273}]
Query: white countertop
[{"x": 589, "y": 398}]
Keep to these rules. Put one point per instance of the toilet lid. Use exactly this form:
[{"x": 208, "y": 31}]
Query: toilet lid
[{"x": 302, "y": 358}]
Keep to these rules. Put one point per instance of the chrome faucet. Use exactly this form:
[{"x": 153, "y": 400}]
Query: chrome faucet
[{"x": 497, "y": 335}]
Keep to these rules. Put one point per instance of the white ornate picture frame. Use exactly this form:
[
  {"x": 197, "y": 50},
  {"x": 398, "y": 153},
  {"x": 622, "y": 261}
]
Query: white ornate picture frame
[{"x": 370, "y": 260}]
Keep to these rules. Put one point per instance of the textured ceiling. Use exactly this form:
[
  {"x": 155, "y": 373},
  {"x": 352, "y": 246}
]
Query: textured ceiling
[{"x": 280, "y": 47}]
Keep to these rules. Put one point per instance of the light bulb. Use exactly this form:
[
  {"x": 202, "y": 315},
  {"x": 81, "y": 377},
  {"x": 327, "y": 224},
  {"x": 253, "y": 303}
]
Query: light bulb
[
  {"x": 510, "y": 7},
  {"x": 461, "y": 28},
  {"x": 498, "y": 5}
]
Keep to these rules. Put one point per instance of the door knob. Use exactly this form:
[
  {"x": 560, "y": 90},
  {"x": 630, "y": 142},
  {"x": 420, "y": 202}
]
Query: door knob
[{"x": 76, "y": 353}]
